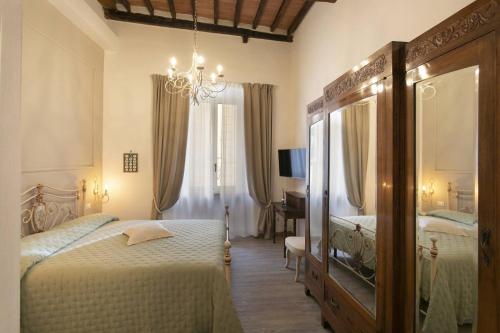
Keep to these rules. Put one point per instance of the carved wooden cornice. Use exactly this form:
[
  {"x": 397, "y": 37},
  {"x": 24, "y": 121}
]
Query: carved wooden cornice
[
  {"x": 315, "y": 106},
  {"x": 458, "y": 29},
  {"x": 352, "y": 79}
]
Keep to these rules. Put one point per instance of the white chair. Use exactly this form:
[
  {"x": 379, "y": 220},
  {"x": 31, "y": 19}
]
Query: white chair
[{"x": 297, "y": 246}]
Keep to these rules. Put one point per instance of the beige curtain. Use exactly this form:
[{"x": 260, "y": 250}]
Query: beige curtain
[
  {"x": 258, "y": 110},
  {"x": 170, "y": 128},
  {"x": 355, "y": 140}
]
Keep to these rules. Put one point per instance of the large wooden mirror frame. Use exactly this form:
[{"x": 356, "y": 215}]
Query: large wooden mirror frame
[
  {"x": 468, "y": 38},
  {"x": 384, "y": 71},
  {"x": 314, "y": 277}
]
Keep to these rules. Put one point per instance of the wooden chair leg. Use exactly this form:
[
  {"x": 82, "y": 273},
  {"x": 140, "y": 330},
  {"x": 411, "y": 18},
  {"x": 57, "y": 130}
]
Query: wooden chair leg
[
  {"x": 273, "y": 225},
  {"x": 297, "y": 268},
  {"x": 287, "y": 261}
]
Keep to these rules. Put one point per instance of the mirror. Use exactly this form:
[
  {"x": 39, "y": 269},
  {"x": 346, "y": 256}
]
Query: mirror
[
  {"x": 352, "y": 199},
  {"x": 316, "y": 187},
  {"x": 446, "y": 202}
]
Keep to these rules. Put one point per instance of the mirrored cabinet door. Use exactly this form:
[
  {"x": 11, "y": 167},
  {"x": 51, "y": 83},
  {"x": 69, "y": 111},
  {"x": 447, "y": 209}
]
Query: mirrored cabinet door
[
  {"x": 352, "y": 220},
  {"x": 316, "y": 134},
  {"x": 447, "y": 202}
]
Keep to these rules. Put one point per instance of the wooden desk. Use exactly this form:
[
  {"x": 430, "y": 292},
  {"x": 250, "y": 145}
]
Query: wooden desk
[{"x": 293, "y": 211}]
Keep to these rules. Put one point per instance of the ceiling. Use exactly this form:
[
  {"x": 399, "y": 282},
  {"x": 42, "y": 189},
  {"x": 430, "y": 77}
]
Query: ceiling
[{"x": 265, "y": 19}]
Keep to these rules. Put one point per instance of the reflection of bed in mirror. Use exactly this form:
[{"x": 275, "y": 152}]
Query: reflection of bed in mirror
[
  {"x": 446, "y": 226},
  {"x": 447, "y": 264},
  {"x": 352, "y": 242}
]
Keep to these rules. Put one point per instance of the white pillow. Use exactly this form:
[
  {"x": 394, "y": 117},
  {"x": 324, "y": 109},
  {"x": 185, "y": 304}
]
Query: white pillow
[{"x": 146, "y": 231}]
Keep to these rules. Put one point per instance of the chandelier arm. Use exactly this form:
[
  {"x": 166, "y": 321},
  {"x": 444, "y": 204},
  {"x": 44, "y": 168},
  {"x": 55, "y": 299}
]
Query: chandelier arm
[{"x": 192, "y": 83}]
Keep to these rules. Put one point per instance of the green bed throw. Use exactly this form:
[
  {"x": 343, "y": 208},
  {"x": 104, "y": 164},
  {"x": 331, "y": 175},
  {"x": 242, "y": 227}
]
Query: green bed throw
[{"x": 96, "y": 283}]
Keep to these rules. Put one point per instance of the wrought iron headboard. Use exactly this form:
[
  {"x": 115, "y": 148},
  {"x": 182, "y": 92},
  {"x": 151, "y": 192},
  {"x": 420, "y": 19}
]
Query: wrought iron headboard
[
  {"x": 43, "y": 207},
  {"x": 461, "y": 199}
]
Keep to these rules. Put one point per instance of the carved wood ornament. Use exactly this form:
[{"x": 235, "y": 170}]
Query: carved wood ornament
[
  {"x": 315, "y": 106},
  {"x": 352, "y": 79},
  {"x": 458, "y": 29}
]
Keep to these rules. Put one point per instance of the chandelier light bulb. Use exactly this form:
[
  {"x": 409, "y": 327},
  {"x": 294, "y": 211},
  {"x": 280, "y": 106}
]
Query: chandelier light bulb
[
  {"x": 220, "y": 69},
  {"x": 200, "y": 60},
  {"x": 173, "y": 61},
  {"x": 190, "y": 77},
  {"x": 213, "y": 76}
]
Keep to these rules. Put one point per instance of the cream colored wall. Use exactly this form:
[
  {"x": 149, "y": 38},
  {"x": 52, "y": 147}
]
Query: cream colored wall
[
  {"x": 335, "y": 37},
  {"x": 61, "y": 101},
  {"x": 332, "y": 39},
  {"x": 145, "y": 50},
  {"x": 10, "y": 176}
]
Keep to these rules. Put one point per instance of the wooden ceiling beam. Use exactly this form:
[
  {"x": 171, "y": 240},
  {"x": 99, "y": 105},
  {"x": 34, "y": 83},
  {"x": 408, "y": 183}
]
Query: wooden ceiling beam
[
  {"x": 126, "y": 4},
  {"x": 300, "y": 17},
  {"x": 108, "y": 3},
  {"x": 216, "y": 12},
  {"x": 258, "y": 14},
  {"x": 149, "y": 6},
  {"x": 117, "y": 15},
  {"x": 171, "y": 7},
  {"x": 279, "y": 14},
  {"x": 237, "y": 13}
]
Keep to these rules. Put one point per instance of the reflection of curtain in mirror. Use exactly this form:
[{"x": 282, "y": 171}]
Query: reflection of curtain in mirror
[
  {"x": 339, "y": 204},
  {"x": 316, "y": 180},
  {"x": 355, "y": 140}
]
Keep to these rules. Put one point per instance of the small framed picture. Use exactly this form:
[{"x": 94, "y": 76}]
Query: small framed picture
[{"x": 130, "y": 162}]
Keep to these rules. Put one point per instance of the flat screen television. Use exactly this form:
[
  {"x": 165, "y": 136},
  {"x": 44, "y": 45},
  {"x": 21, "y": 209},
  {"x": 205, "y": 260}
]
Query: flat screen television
[{"x": 292, "y": 162}]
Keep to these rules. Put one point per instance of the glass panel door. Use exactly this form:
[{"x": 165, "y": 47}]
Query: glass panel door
[
  {"x": 352, "y": 203},
  {"x": 446, "y": 202},
  {"x": 316, "y": 187}
]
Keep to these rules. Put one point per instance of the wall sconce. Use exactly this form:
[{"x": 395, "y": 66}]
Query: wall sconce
[
  {"x": 427, "y": 191},
  {"x": 104, "y": 196}
]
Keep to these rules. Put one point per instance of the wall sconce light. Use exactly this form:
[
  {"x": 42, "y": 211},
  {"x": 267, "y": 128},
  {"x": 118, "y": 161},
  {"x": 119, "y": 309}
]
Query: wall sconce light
[
  {"x": 427, "y": 191},
  {"x": 104, "y": 196}
]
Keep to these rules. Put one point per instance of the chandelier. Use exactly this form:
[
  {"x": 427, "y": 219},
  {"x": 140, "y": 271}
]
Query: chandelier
[{"x": 193, "y": 82}]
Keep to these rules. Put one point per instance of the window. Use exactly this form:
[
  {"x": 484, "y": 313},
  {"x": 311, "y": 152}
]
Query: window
[{"x": 225, "y": 145}]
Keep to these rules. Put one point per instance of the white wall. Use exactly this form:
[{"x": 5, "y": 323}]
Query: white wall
[
  {"x": 61, "y": 101},
  {"x": 10, "y": 176},
  {"x": 335, "y": 37},
  {"x": 332, "y": 39},
  {"x": 145, "y": 50}
]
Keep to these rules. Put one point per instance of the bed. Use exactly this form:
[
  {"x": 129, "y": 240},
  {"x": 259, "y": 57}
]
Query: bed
[
  {"x": 80, "y": 276},
  {"x": 446, "y": 262},
  {"x": 446, "y": 274},
  {"x": 446, "y": 270},
  {"x": 354, "y": 238}
]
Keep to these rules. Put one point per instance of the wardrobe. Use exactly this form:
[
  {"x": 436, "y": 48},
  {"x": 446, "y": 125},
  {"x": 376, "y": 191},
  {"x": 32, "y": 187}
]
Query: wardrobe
[{"x": 403, "y": 185}]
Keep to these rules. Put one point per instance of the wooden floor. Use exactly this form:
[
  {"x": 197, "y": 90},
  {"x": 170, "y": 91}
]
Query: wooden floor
[{"x": 264, "y": 292}]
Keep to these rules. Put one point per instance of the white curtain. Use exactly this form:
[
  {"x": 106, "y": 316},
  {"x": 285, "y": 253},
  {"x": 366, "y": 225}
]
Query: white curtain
[{"x": 215, "y": 172}]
